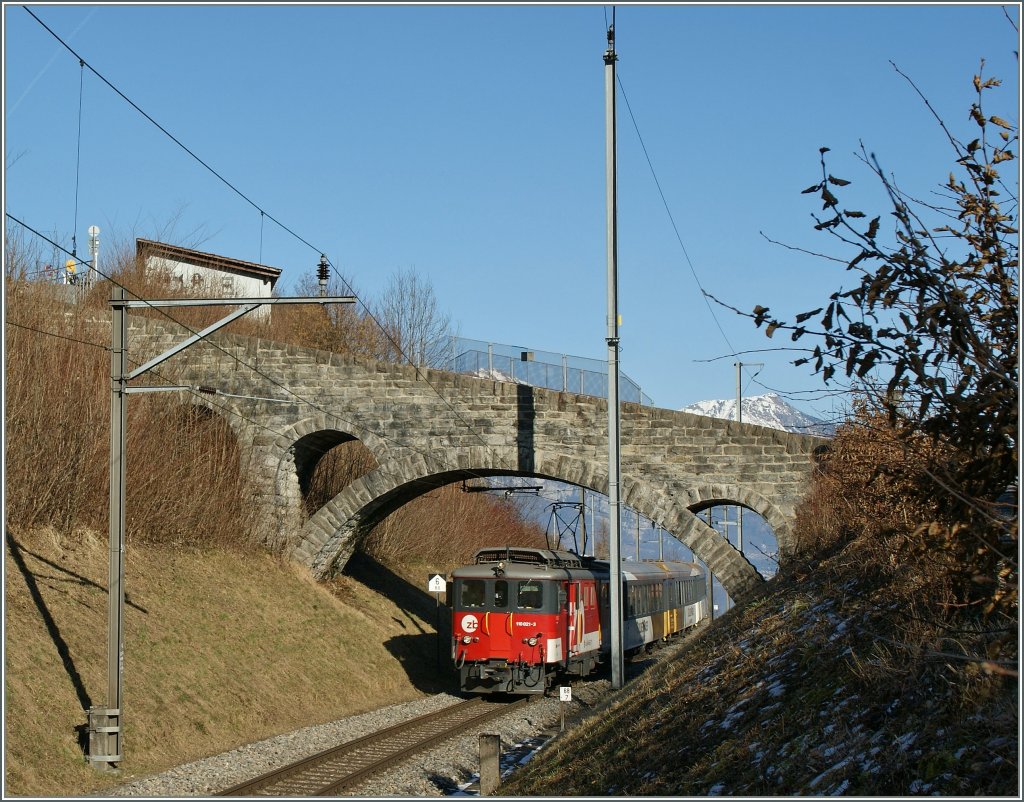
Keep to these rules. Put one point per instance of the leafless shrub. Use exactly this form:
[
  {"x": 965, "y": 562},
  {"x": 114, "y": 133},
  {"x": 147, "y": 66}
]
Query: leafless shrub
[
  {"x": 337, "y": 469},
  {"x": 185, "y": 483},
  {"x": 449, "y": 526}
]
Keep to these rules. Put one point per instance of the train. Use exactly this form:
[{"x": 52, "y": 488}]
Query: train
[{"x": 525, "y": 618}]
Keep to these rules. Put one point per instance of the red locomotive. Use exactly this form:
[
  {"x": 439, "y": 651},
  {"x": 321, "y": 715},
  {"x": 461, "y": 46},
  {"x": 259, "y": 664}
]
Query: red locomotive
[{"x": 523, "y": 617}]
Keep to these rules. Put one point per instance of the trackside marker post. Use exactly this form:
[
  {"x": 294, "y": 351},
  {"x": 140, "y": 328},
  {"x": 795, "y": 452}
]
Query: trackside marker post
[
  {"x": 437, "y": 585},
  {"x": 490, "y": 763},
  {"x": 564, "y": 695}
]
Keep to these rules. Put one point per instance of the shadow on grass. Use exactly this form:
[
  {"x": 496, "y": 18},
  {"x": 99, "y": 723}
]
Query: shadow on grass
[
  {"x": 63, "y": 575},
  {"x": 18, "y": 554},
  {"x": 425, "y": 656}
]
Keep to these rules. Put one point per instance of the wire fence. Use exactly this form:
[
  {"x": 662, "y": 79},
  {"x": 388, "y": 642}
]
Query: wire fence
[{"x": 553, "y": 371}]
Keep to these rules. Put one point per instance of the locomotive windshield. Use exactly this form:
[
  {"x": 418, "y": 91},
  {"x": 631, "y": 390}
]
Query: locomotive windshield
[
  {"x": 473, "y": 593},
  {"x": 502, "y": 594},
  {"x": 531, "y": 595}
]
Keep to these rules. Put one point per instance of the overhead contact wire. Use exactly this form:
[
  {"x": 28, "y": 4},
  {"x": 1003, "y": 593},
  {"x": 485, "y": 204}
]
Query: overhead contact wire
[
  {"x": 256, "y": 206},
  {"x": 217, "y": 346}
]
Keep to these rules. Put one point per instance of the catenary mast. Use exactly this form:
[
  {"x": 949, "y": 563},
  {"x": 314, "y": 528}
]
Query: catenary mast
[{"x": 614, "y": 505}]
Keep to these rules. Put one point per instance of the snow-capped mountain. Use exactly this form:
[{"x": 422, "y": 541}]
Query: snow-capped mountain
[{"x": 765, "y": 410}]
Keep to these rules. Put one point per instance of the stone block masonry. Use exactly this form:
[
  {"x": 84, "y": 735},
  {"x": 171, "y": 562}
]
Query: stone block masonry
[{"x": 427, "y": 428}]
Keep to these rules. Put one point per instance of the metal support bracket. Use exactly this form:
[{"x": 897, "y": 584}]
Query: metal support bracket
[{"x": 104, "y": 733}]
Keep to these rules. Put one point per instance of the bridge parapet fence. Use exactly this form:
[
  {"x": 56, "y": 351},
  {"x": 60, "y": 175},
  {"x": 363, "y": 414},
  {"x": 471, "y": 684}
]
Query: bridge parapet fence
[{"x": 553, "y": 371}]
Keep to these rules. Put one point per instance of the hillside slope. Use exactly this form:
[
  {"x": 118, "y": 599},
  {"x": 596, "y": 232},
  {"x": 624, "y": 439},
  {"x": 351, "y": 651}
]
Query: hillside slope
[
  {"x": 222, "y": 647},
  {"x": 809, "y": 689}
]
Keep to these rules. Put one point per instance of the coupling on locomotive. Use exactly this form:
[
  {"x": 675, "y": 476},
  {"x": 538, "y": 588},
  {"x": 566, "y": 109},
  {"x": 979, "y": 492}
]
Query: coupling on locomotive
[{"x": 524, "y": 617}]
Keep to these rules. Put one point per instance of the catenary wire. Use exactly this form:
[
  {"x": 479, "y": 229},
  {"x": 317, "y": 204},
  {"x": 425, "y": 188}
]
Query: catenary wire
[
  {"x": 54, "y": 334},
  {"x": 263, "y": 213},
  {"x": 671, "y": 218},
  {"x": 258, "y": 372},
  {"x": 171, "y": 136}
]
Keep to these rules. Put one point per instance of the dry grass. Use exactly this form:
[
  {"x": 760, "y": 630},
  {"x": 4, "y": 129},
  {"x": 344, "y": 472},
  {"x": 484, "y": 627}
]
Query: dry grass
[
  {"x": 57, "y": 370},
  {"x": 809, "y": 690},
  {"x": 860, "y": 670},
  {"x": 221, "y": 648},
  {"x": 224, "y": 643}
]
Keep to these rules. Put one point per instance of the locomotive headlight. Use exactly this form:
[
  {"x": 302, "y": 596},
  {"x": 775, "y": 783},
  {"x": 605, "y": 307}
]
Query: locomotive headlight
[
  {"x": 466, "y": 639},
  {"x": 533, "y": 641}
]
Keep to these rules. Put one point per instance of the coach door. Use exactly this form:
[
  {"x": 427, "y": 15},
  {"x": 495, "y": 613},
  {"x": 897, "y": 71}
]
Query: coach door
[{"x": 575, "y": 619}]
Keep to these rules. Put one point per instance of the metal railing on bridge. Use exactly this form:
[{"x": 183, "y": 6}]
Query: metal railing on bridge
[{"x": 553, "y": 371}]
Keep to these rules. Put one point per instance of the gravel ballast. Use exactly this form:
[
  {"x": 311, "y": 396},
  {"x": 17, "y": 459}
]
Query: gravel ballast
[{"x": 443, "y": 770}]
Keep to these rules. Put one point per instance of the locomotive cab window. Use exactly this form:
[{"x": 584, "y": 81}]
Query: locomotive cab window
[
  {"x": 501, "y": 594},
  {"x": 473, "y": 593},
  {"x": 531, "y": 595}
]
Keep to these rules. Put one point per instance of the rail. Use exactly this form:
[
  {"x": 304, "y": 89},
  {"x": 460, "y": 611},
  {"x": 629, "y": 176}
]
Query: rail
[{"x": 343, "y": 766}]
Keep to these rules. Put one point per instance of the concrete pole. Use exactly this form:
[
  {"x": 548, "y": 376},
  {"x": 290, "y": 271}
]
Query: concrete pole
[
  {"x": 710, "y": 579},
  {"x": 739, "y": 419},
  {"x": 490, "y": 763},
  {"x": 105, "y": 724},
  {"x": 618, "y": 665}
]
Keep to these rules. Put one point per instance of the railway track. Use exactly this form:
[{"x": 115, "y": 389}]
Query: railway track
[{"x": 343, "y": 766}]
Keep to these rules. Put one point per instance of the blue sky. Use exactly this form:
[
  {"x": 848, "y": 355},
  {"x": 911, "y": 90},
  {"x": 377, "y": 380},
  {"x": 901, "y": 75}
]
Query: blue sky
[{"x": 467, "y": 142}]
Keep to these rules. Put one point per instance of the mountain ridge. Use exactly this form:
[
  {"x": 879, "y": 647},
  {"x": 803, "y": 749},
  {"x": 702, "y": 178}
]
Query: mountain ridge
[{"x": 769, "y": 410}]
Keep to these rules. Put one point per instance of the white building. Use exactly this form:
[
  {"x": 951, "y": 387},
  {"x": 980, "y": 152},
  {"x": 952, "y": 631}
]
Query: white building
[{"x": 208, "y": 274}]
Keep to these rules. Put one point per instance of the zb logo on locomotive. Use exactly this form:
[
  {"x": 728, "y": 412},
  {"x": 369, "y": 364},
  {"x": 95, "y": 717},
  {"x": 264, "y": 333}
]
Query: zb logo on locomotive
[{"x": 469, "y": 623}]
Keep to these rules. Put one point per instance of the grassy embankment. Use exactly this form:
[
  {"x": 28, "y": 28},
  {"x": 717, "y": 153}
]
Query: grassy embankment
[
  {"x": 877, "y": 663},
  {"x": 810, "y": 690},
  {"x": 225, "y": 643},
  {"x": 222, "y": 647}
]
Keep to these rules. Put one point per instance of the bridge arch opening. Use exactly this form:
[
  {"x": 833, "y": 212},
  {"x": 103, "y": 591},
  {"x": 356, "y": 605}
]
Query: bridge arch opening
[
  {"x": 447, "y": 525},
  {"x": 578, "y": 516},
  {"x": 328, "y": 539},
  {"x": 326, "y": 462}
]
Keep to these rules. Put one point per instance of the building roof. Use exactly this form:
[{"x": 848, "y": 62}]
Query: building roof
[{"x": 145, "y": 247}]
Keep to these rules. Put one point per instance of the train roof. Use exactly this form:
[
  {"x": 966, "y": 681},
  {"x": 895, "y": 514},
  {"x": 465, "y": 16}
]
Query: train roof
[
  {"x": 518, "y": 554},
  {"x": 526, "y": 561}
]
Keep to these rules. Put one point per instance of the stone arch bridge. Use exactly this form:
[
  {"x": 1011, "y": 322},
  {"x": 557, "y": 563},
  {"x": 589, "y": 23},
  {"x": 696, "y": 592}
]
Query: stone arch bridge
[{"x": 428, "y": 428}]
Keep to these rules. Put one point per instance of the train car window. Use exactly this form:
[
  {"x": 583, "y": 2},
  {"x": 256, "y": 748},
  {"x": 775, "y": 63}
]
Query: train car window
[
  {"x": 531, "y": 595},
  {"x": 501, "y": 594},
  {"x": 473, "y": 593}
]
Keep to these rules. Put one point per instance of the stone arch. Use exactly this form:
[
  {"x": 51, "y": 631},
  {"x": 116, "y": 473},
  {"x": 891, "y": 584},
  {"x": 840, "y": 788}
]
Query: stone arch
[
  {"x": 330, "y": 536},
  {"x": 735, "y": 496},
  {"x": 287, "y": 463}
]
